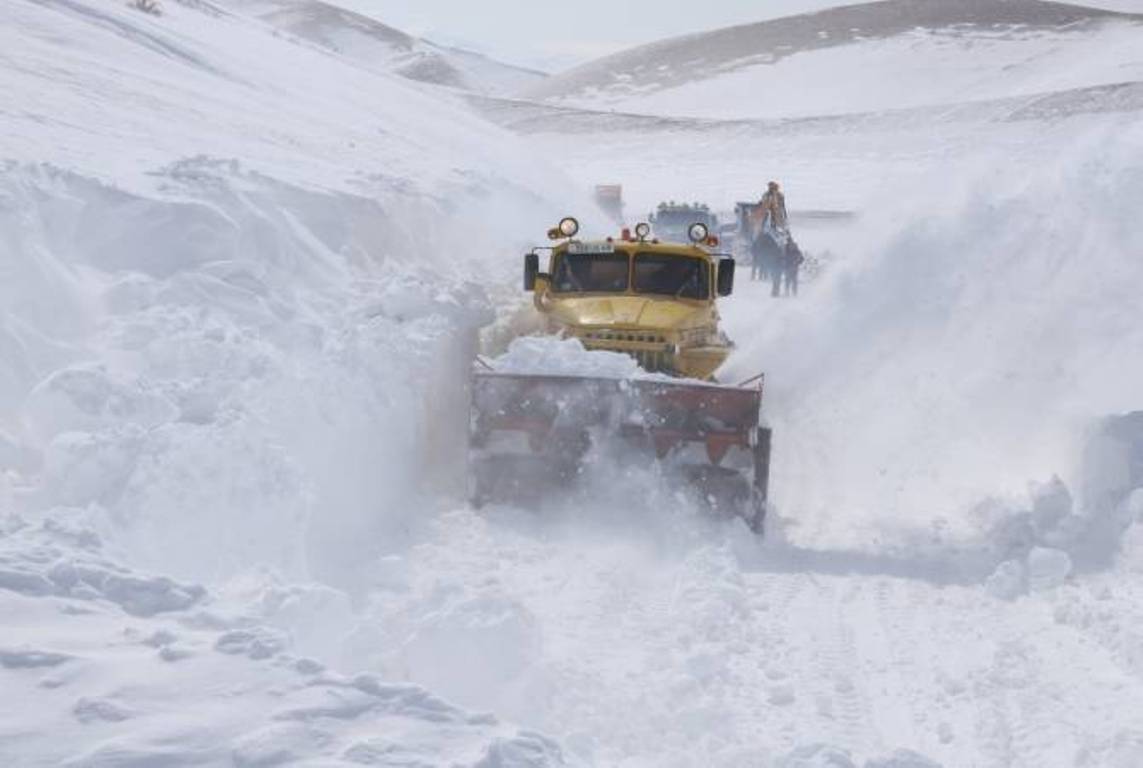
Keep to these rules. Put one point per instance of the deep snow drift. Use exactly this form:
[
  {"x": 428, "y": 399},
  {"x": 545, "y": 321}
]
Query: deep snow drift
[
  {"x": 240, "y": 285},
  {"x": 229, "y": 352}
]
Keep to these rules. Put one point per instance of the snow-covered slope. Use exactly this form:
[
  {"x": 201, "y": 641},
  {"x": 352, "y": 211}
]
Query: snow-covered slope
[
  {"x": 371, "y": 43},
  {"x": 884, "y": 55},
  {"x": 227, "y": 351}
]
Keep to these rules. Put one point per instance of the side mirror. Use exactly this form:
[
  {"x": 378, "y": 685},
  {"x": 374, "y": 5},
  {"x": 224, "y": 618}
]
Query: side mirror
[
  {"x": 531, "y": 269},
  {"x": 725, "y": 277}
]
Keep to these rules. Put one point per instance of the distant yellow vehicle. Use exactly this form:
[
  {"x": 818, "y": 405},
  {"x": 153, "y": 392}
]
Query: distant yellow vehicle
[
  {"x": 532, "y": 432},
  {"x": 650, "y": 299}
]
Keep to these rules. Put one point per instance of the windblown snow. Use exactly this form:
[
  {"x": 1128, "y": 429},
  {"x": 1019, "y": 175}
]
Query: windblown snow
[{"x": 243, "y": 277}]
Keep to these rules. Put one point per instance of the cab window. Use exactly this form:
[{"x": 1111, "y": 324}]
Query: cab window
[
  {"x": 679, "y": 276},
  {"x": 591, "y": 273}
]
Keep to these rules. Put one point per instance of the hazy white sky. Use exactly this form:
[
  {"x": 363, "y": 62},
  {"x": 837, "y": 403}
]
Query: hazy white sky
[{"x": 553, "y": 34}]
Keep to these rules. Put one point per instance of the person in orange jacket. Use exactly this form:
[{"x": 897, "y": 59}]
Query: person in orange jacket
[{"x": 773, "y": 204}]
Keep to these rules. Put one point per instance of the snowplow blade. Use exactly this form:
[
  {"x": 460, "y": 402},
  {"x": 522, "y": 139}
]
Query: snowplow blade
[{"x": 709, "y": 433}]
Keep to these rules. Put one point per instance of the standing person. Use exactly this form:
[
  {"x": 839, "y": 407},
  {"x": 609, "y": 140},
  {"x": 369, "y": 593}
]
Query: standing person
[
  {"x": 775, "y": 231},
  {"x": 794, "y": 259},
  {"x": 755, "y": 259},
  {"x": 758, "y": 255},
  {"x": 773, "y": 204},
  {"x": 752, "y": 225},
  {"x": 780, "y": 269}
]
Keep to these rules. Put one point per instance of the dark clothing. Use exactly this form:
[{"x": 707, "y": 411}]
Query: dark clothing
[
  {"x": 763, "y": 254},
  {"x": 757, "y": 271},
  {"x": 791, "y": 287},
  {"x": 792, "y": 263}
]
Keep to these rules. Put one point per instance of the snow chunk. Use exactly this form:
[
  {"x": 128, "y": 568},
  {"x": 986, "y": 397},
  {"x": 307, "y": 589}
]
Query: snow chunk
[
  {"x": 279, "y": 744},
  {"x": 1048, "y": 568},
  {"x": 307, "y": 666},
  {"x": 1051, "y": 503},
  {"x": 409, "y": 700},
  {"x": 1131, "y": 554},
  {"x": 902, "y": 758},
  {"x": 552, "y": 356},
  {"x": 816, "y": 756},
  {"x": 81, "y": 467},
  {"x": 28, "y": 658},
  {"x": 1008, "y": 581},
  {"x": 99, "y": 710},
  {"x": 87, "y": 399},
  {"x": 254, "y": 643},
  {"x": 525, "y": 750},
  {"x": 173, "y": 653},
  {"x": 781, "y": 695},
  {"x": 24, "y": 582},
  {"x": 143, "y": 596}
]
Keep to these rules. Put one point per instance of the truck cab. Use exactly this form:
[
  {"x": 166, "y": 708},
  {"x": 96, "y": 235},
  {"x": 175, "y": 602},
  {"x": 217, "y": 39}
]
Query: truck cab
[
  {"x": 652, "y": 300},
  {"x": 671, "y": 221}
]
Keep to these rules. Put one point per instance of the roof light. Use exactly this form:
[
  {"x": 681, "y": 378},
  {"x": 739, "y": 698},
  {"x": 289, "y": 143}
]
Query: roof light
[
  {"x": 698, "y": 232},
  {"x": 642, "y": 229},
  {"x": 568, "y": 226}
]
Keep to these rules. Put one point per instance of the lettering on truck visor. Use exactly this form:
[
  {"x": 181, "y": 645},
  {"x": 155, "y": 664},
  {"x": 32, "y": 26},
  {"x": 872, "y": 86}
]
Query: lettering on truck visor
[{"x": 590, "y": 248}]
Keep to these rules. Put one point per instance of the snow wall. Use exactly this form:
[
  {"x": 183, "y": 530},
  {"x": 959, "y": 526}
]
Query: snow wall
[
  {"x": 982, "y": 326},
  {"x": 240, "y": 372}
]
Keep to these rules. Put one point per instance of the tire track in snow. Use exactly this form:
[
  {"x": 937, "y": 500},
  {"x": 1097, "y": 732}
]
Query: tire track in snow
[
  {"x": 828, "y": 673},
  {"x": 916, "y": 689},
  {"x": 895, "y": 602},
  {"x": 855, "y": 703}
]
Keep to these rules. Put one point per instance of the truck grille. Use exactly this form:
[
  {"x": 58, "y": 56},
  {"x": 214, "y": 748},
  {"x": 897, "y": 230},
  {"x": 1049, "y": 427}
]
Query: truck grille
[
  {"x": 629, "y": 336},
  {"x": 650, "y": 350},
  {"x": 653, "y": 361}
]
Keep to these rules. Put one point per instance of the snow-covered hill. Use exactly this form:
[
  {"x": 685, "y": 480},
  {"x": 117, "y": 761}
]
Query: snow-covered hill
[
  {"x": 884, "y": 55},
  {"x": 371, "y": 43}
]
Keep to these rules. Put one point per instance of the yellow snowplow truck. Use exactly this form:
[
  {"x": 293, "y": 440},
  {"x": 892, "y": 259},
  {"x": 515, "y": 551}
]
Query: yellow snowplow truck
[{"x": 655, "y": 301}]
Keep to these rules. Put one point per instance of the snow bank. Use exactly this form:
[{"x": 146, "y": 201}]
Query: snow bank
[
  {"x": 206, "y": 397},
  {"x": 236, "y": 320},
  {"x": 966, "y": 350},
  {"x": 237, "y": 362}
]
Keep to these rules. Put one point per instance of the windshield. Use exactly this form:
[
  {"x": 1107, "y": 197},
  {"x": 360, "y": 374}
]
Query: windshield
[
  {"x": 672, "y": 223},
  {"x": 683, "y": 218},
  {"x": 672, "y": 276},
  {"x": 591, "y": 273}
]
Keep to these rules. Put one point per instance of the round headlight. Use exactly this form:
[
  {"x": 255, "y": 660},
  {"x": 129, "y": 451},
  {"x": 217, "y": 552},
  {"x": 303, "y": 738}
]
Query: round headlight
[
  {"x": 568, "y": 226},
  {"x": 642, "y": 229},
  {"x": 698, "y": 232}
]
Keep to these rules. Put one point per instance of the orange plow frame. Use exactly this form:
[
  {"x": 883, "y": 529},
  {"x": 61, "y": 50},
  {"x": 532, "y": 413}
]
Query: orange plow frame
[{"x": 667, "y": 413}]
